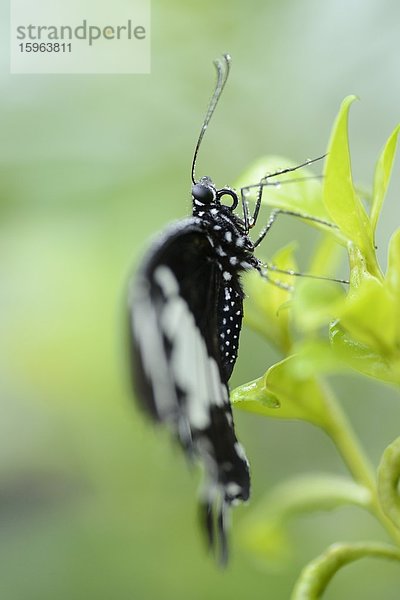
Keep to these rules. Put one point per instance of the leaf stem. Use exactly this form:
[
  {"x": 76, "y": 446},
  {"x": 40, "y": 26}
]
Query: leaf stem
[
  {"x": 342, "y": 434},
  {"x": 316, "y": 576}
]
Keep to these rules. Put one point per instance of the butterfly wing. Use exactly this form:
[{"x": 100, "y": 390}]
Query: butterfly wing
[{"x": 179, "y": 373}]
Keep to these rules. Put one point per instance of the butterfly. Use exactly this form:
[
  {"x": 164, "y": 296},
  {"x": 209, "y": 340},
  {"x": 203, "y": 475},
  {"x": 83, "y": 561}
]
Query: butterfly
[{"x": 186, "y": 311}]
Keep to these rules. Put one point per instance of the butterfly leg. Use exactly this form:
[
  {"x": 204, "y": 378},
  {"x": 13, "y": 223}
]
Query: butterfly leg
[
  {"x": 279, "y": 211},
  {"x": 250, "y": 221},
  {"x": 246, "y": 211},
  {"x": 263, "y": 271},
  {"x": 298, "y": 274},
  {"x": 310, "y": 161}
]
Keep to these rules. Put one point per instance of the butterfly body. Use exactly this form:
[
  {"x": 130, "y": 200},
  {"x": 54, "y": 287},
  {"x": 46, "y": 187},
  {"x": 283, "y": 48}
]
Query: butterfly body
[{"x": 186, "y": 310}]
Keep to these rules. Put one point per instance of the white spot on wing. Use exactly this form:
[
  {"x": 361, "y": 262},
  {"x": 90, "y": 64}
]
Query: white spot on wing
[
  {"x": 233, "y": 489},
  {"x": 240, "y": 451},
  {"x": 166, "y": 280}
]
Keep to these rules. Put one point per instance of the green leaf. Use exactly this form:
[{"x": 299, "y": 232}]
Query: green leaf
[
  {"x": 382, "y": 176},
  {"x": 315, "y": 358},
  {"x": 393, "y": 270},
  {"x": 254, "y": 397},
  {"x": 359, "y": 357},
  {"x": 358, "y": 267},
  {"x": 292, "y": 398},
  {"x": 264, "y": 531},
  {"x": 370, "y": 308},
  {"x": 264, "y": 309},
  {"x": 316, "y": 576},
  {"x": 308, "y": 493},
  {"x": 341, "y": 200},
  {"x": 266, "y": 541},
  {"x": 393, "y": 279},
  {"x": 326, "y": 256},
  {"x": 368, "y": 316},
  {"x": 388, "y": 481},
  {"x": 316, "y": 303}
]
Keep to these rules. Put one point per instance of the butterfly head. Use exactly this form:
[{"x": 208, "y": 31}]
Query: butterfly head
[{"x": 205, "y": 195}]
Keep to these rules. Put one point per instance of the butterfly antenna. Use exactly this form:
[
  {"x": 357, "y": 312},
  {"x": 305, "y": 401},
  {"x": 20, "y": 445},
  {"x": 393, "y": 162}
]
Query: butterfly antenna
[{"x": 223, "y": 68}]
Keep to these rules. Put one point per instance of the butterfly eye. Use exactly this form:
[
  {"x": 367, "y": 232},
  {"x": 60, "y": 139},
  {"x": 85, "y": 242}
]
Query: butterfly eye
[{"x": 203, "y": 193}]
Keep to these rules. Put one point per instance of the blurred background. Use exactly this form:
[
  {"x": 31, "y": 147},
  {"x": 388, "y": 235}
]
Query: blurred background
[{"x": 94, "y": 503}]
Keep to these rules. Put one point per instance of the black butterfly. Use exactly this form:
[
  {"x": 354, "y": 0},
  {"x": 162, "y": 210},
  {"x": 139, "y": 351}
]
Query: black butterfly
[{"x": 186, "y": 307}]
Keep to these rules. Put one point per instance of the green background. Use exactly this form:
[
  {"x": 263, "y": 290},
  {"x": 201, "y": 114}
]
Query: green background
[{"x": 95, "y": 504}]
